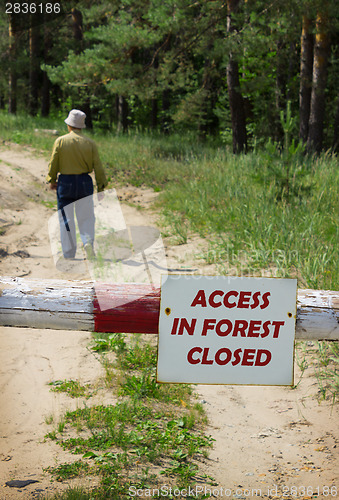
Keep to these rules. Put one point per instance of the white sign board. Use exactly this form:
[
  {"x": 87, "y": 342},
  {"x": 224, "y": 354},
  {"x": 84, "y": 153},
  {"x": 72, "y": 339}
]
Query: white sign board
[{"x": 226, "y": 330}]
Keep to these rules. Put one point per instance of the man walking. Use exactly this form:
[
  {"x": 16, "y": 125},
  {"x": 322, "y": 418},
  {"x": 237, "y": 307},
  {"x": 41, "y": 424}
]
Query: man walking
[{"x": 73, "y": 158}]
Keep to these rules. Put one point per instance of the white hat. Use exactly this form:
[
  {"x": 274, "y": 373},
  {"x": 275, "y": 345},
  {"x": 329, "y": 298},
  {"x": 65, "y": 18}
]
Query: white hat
[{"x": 76, "y": 119}]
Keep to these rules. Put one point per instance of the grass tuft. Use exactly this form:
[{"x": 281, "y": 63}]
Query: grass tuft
[{"x": 152, "y": 427}]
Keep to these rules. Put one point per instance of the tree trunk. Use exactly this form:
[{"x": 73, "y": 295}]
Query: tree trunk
[
  {"x": 237, "y": 108},
  {"x": 46, "y": 84},
  {"x": 320, "y": 60},
  {"x": 12, "y": 79},
  {"x": 335, "y": 145},
  {"x": 235, "y": 97},
  {"x": 165, "y": 115},
  {"x": 87, "y": 109},
  {"x": 45, "y": 95},
  {"x": 208, "y": 121},
  {"x": 34, "y": 66},
  {"x": 78, "y": 34},
  {"x": 77, "y": 30},
  {"x": 154, "y": 113},
  {"x": 122, "y": 113},
  {"x": 306, "y": 70},
  {"x": 154, "y": 101},
  {"x": 280, "y": 80}
]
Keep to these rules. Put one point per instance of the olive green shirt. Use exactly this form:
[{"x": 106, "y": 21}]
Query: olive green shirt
[{"x": 75, "y": 154}]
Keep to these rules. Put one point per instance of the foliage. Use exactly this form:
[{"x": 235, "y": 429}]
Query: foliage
[
  {"x": 153, "y": 425},
  {"x": 327, "y": 370},
  {"x": 322, "y": 359},
  {"x": 254, "y": 228},
  {"x": 168, "y": 60},
  {"x": 285, "y": 167},
  {"x": 72, "y": 387}
]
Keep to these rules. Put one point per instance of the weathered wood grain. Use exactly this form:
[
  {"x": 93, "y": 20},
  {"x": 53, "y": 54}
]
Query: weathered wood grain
[
  {"x": 317, "y": 315},
  {"x": 133, "y": 308},
  {"x": 55, "y": 304}
]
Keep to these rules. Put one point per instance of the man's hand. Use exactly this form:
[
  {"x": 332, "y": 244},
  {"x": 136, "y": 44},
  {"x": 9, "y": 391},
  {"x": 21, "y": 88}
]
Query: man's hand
[{"x": 53, "y": 185}]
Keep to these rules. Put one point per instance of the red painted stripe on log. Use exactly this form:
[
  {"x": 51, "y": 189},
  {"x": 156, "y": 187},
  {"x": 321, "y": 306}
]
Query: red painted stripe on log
[{"x": 126, "y": 308}]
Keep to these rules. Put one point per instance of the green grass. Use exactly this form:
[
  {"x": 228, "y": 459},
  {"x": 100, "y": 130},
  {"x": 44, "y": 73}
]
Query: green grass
[
  {"x": 250, "y": 231},
  {"x": 267, "y": 212},
  {"x": 321, "y": 360},
  {"x": 327, "y": 370},
  {"x": 152, "y": 436},
  {"x": 72, "y": 387},
  {"x": 74, "y": 494},
  {"x": 270, "y": 212},
  {"x": 25, "y": 130}
]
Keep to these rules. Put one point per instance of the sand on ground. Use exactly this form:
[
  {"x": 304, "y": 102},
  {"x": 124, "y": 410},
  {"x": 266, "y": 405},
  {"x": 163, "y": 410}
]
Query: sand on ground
[{"x": 270, "y": 442}]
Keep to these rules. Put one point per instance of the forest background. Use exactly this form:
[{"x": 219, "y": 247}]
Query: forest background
[{"x": 226, "y": 69}]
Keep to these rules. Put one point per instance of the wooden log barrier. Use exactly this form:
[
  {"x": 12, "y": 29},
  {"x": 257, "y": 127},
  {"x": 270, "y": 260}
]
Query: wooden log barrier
[{"x": 129, "y": 308}]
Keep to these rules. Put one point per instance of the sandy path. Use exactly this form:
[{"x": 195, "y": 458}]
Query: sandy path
[{"x": 265, "y": 436}]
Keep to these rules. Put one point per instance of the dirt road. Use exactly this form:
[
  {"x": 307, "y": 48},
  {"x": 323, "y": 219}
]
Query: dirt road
[{"x": 270, "y": 442}]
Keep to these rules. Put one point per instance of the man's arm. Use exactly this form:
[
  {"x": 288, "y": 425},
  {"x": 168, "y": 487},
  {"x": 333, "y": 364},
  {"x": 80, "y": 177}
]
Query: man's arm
[
  {"x": 100, "y": 176},
  {"x": 53, "y": 167}
]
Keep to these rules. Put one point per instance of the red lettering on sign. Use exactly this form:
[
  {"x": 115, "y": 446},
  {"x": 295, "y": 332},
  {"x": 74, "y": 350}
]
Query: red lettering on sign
[
  {"x": 244, "y": 300},
  {"x": 175, "y": 326},
  {"x": 190, "y": 359},
  {"x": 277, "y": 325},
  {"x": 223, "y": 333},
  {"x": 248, "y": 358},
  {"x": 260, "y": 353},
  {"x": 184, "y": 324},
  {"x": 218, "y": 356},
  {"x": 213, "y": 295},
  {"x": 231, "y": 299},
  {"x": 266, "y": 302},
  {"x": 223, "y": 356},
  {"x": 199, "y": 299},
  {"x": 266, "y": 329},
  {"x": 204, "y": 359},
  {"x": 254, "y": 328},
  {"x": 208, "y": 325},
  {"x": 240, "y": 325},
  {"x": 255, "y": 299},
  {"x": 237, "y": 357},
  {"x": 228, "y": 304}
]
